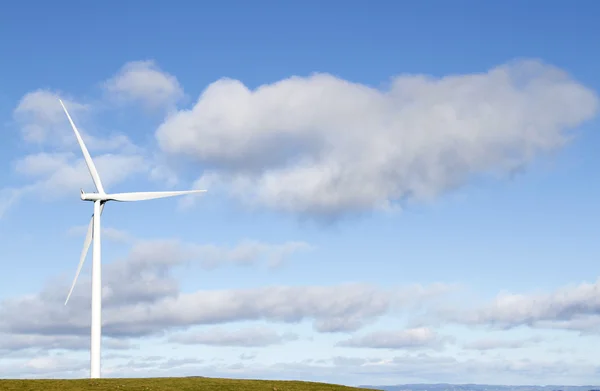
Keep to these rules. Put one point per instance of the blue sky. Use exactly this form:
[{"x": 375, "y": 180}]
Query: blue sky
[{"x": 397, "y": 192}]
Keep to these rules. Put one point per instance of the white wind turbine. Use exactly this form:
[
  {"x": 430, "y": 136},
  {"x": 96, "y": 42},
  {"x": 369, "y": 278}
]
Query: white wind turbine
[{"x": 100, "y": 198}]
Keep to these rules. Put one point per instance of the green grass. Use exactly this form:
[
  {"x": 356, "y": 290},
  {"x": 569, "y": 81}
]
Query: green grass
[{"x": 169, "y": 384}]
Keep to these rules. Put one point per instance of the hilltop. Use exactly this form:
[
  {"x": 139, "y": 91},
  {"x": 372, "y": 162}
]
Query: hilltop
[{"x": 169, "y": 384}]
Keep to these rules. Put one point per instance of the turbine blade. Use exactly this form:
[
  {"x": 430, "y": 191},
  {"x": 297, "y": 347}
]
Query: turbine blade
[
  {"x": 86, "y": 155},
  {"x": 86, "y": 247},
  {"x": 150, "y": 195}
]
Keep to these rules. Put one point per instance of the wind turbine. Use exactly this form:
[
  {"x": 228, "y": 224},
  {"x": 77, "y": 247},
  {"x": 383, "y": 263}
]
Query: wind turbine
[{"x": 100, "y": 198}]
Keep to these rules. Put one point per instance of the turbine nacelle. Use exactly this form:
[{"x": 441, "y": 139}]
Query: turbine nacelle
[{"x": 92, "y": 196}]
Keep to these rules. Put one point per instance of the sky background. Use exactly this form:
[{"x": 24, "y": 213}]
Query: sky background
[{"x": 397, "y": 191}]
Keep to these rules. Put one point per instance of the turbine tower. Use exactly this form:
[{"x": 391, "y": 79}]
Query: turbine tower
[{"x": 100, "y": 198}]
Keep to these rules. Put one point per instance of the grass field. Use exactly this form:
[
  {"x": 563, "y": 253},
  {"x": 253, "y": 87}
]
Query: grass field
[{"x": 169, "y": 384}]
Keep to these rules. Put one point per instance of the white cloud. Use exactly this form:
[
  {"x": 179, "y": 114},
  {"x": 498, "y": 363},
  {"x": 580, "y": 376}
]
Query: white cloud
[
  {"x": 63, "y": 171},
  {"x": 321, "y": 145},
  {"x": 415, "y": 338},
  {"x": 59, "y": 174},
  {"x": 141, "y": 297},
  {"x": 42, "y": 118},
  {"x": 151, "y": 304},
  {"x": 573, "y": 307},
  {"x": 143, "y": 81},
  {"x": 245, "y": 337},
  {"x": 42, "y": 163}
]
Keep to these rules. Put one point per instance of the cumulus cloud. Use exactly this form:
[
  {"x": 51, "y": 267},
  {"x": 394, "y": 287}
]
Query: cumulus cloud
[
  {"x": 59, "y": 174},
  {"x": 144, "y": 276},
  {"x": 573, "y": 307},
  {"x": 141, "y": 297},
  {"x": 41, "y": 117},
  {"x": 142, "y": 282},
  {"x": 156, "y": 306},
  {"x": 42, "y": 120},
  {"x": 416, "y": 338},
  {"x": 63, "y": 171},
  {"x": 321, "y": 145},
  {"x": 144, "y": 82},
  {"x": 244, "y": 337}
]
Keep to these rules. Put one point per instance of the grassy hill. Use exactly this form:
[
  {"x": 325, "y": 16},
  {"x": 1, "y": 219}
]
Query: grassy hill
[{"x": 169, "y": 384}]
